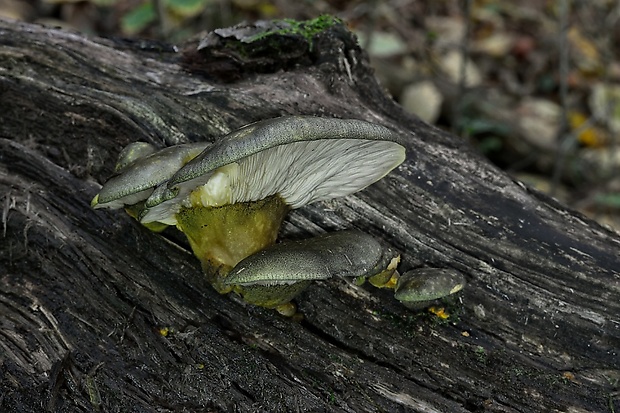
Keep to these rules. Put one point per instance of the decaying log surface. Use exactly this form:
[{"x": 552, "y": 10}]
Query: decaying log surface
[{"x": 98, "y": 313}]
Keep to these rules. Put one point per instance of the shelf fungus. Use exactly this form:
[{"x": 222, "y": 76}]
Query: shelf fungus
[
  {"x": 421, "y": 287},
  {"x": 139, "y": 170},
  {"x": 230, "y": 198},
  {"x": 274, "y": 276}
]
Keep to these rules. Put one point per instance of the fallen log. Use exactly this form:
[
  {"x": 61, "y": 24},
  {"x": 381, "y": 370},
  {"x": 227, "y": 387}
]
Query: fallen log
[{"x": 98, "y": 313}]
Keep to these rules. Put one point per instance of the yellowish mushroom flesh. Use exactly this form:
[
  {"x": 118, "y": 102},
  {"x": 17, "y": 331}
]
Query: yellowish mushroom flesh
[
  {"x": 222, "y": 236},
  {"x": 388, "y": 277}
]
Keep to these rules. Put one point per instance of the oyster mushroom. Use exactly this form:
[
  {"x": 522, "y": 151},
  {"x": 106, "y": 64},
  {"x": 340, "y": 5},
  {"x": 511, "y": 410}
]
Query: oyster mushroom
[
  {"x": 274, "y": 276},
  {"x": 139, "y": 169},
  {"x": 132, "y": 153},
  {"x": 420, "y": 287},
  {"x": 231, "y": 199}
]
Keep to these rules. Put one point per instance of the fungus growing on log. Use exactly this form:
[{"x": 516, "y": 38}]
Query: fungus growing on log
[
  {"x": 274, "y": 276},
  {"x": 230, "y": 198},
  {"x": 420, "y": 287},
  {"x": 139, "y": 170}
]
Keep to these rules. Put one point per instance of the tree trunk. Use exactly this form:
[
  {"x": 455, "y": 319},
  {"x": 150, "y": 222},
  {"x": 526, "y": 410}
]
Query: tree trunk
[{"x": 98, "y": 313}]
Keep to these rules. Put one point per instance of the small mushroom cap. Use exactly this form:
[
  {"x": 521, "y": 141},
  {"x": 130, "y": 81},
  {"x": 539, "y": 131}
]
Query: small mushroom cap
[
  {"x": 348, "y": 253},
  {"x": 304, "y": 159},
  {"x": 427, "y": 284},
  {"x": 132, "y": 153},
  {"x": 138, "y": 174}
]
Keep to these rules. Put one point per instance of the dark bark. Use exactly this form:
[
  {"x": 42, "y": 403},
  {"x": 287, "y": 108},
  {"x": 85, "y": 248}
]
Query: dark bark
[{"x": 85, "y": 296}]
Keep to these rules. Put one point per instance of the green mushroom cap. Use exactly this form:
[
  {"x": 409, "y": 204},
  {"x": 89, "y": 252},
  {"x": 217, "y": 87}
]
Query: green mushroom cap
[
  {"x": 302, "y": 159},
  {"x": 418, "y": 287},
  {"x": 274, "y": 276},
  {"x": 132, "y": 153},
  {"x": 139, "y": 171},
  {"x": 349, "y": 253}
]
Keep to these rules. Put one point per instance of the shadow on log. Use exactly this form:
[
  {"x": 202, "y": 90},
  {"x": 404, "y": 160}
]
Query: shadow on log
[{"x": 98, "y": 313}]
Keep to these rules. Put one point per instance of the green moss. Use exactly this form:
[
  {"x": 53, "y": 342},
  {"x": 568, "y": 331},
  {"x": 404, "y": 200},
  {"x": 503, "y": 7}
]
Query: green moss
[
  {"x": 481, "y": 354},
  {"x": 306, "y": 29}
]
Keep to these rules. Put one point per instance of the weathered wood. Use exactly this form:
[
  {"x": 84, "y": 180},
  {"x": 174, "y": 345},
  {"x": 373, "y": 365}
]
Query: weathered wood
[{"x": 86, "y": 297}]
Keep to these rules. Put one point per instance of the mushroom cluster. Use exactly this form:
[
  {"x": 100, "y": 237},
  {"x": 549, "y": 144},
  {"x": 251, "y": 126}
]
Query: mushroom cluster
[{"x": 230, "y": 198}]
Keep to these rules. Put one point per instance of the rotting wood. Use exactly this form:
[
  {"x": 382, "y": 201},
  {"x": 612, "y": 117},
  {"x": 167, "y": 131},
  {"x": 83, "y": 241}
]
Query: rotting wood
[{"x": 99, "y": 313}]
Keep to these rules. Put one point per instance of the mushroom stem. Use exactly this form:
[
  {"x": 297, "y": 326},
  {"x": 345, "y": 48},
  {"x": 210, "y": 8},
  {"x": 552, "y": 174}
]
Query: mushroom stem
[
  {"x": 135, "y": 210},
  {"x": 388, "y": 277},
  {"x": 276, "y": 296},
  {"x": 222, "y": 236}
]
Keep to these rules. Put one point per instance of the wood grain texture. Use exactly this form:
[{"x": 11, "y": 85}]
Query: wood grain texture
[{"x": 87, "y": 296}]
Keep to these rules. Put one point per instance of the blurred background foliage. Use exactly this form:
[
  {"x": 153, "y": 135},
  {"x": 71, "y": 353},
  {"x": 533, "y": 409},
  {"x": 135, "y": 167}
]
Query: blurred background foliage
[{"x": 534, "y": 85}]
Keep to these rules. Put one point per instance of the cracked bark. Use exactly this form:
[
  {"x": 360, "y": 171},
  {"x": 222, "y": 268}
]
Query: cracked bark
[{"x": 99, "y": 313}]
